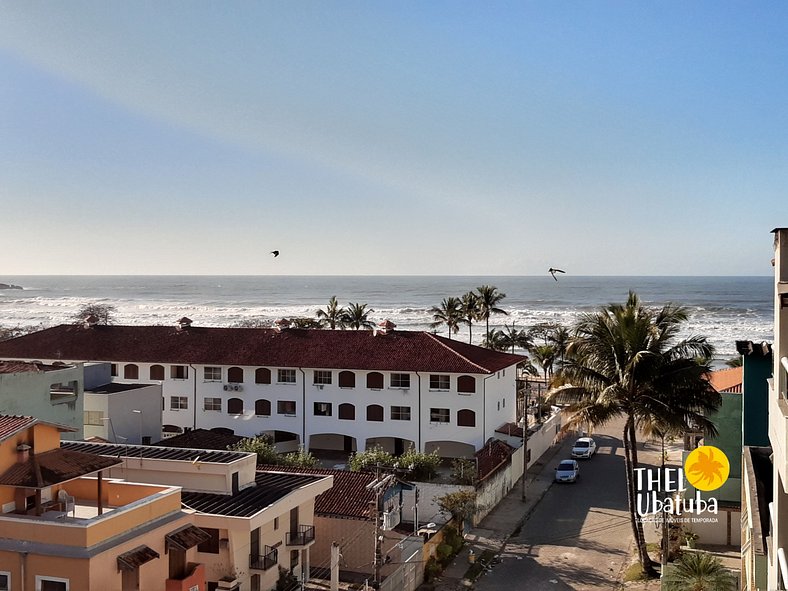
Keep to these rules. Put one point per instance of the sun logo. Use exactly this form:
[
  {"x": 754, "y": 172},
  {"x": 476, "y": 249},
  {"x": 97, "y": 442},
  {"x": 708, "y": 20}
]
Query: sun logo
[{"x": 707, "y": 468}]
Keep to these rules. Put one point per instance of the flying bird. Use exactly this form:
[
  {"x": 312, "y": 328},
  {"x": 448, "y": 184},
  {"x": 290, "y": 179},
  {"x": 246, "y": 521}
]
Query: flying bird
[
  {"x": 554, "y": 271},
  {"x": 275, "y": 253}
]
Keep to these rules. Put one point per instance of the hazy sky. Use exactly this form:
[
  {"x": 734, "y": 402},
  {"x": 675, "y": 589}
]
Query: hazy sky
[{"x": 371, "y": 137}]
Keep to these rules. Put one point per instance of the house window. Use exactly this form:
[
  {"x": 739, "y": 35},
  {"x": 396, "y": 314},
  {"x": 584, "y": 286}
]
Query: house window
[
  {"x": 439, "y": 415},
  {"x": 211, "y": 545},
  {"x": 286, "y": 407},
  {"x": 51, "y": 584},
  {"x": 276, "y": 523},
  {"x": 374, "y": 412},
  {"x": 439, "y": 382},
  {"x": 400, "y": 380},
  {"x": 262, "y": 407},
  {"x": 321, "y": 377},
  {"x": 503, "y": 402},
  {"x": 322, "y": 409},
  {"x": 262, "y": 375},
  {"x": 212, "y": 374},
  {"x": 235, "y": 375},
  {"x": 179, "y": 372},
  {"x": 255, "y": 582},
  {"x": 286, "y": 376},
  {"x": 375, "y": 380},
  {"x": 466, "y": 384},
  {"x": 131, "y": 372},
  {"x": 235, "y": 406},
  {"x": 91, "y": 417},
  {"x": 293, "y": 558},
  {"x": 466, "y": 418},
  {"x": 212, "y": 404},
  {"x": 400, "y": 413},
  {"x": 113, "y": 370},
  {"x": 179, "y": 403},
  {"x": 5, "y": 581},
  {"x": 347, "y": 412},
  {"x": 347, "y": 379},
  {"x": 157, "y": 372}
]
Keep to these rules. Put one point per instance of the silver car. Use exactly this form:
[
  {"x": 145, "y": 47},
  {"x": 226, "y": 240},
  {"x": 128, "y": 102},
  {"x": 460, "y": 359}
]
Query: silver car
[{"x": 567, "y": 471}]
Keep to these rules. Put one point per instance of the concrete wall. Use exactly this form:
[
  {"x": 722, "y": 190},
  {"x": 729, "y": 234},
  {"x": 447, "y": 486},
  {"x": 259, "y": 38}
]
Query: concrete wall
[
  {"x": 121, "y": 424},
  {"x": 755, "y": 399}
]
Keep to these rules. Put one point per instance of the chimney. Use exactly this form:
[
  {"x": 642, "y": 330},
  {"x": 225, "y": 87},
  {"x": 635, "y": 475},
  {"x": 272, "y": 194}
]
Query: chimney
[
  {"x": 184, "y": 323},
  {"x": 22, "y": 453},
  {"x": 91, "y": 320},
  {"x": 386, "y": 327},
  {"x": 281, "y": 324}
]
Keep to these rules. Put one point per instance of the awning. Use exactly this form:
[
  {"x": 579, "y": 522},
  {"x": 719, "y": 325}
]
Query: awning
[
  {"x": 186, "y": 537},
  {"x": 133, "y": 559}
]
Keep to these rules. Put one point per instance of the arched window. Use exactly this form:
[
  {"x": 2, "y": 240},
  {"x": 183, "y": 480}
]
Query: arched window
[
  {"x": 347, "y": 379},
  {"x": 235, "y": 375},
  {"x": 375, "y": 380},
  {"x": 347, "y": 412},
  {"x": 262, "y": 407},
  {"x": 235, "y": 406},
  {"x": 131, "y": 372},
  {"x": 466, "y": 384},
  {"x": 374, "y": 412},
  {"x": 157, "y": 372},
  {"x": 262, "y": 375},
  {"x": 466, "y": 418}
]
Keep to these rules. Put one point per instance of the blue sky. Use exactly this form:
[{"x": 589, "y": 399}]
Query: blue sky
[{"x": 459, "y": 138}]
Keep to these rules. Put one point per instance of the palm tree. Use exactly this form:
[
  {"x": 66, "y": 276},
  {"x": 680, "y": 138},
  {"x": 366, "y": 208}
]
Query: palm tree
[
  {"x": 356, "y": 316},
  {"x": 495, "y": 340},
  {"x": 544, "y": 355},
  {"x": 735, "y": 361},
  {"x": 333, "y": 315},
  {"x": 449, "y": 313},
  {"x": 625, "y": 361},
  {"x": 559, "y": 338},
  {"x": 698, "y": 571},
  {"x": 469, "y": 305},
  {"x": 488, "y": 298},
  {"x": 516, "y": 338}
]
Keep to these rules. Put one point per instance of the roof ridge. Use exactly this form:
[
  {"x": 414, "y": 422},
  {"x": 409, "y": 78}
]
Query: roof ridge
[{"x": 435, "y": 338}]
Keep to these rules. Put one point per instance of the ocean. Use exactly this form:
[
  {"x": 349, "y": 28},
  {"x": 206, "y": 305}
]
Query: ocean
[{"x": 724, "y": 309}]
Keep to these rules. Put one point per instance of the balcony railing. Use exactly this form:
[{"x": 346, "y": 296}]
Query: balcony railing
[
  {"x": 266, "y": 561},
  {"x": 302, "y": 537}
]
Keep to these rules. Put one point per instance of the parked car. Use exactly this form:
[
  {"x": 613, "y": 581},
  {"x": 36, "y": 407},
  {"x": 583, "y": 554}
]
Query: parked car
[
  {"x": 585, "y": 447},
  {"x": 567, "y": 471}
]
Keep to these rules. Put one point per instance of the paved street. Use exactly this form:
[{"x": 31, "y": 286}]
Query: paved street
[{"x": 579, "y": 535}]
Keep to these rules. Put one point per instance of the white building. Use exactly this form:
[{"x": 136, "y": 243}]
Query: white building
[
  {"x": 778, "y": 419},
  {"x": 330, "y": 389}
]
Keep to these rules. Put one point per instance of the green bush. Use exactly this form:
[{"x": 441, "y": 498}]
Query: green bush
[
  {"x": 365, "y": 460},
  {"x": 262, "y": 446},
  {"x": 422, "y": 466},
  {"x": 301, "y": 458},
  {"x": 463, "y": 471},
  {"x": 432, "y": 570},
  {"x": 444, "y": 552},
  {"x": 453, "y": 538}
]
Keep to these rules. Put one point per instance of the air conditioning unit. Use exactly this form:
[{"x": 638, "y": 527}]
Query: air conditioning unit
[
  {"x": 238, "y": 388},
  {"x": 319, "y": 386},
  {"x": 227, "y": 387}
]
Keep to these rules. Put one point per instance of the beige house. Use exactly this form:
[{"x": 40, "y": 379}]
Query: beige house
[
  {"x": 257, "y": 522},
  {"x": 66, "y": 526}
]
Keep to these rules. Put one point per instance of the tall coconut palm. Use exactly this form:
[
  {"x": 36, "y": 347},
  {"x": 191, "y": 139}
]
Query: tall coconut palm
[
  {"x": 544, "y": 356},
  {"x": 333, "y": 316},
  {"x": 516, "y": 338},
  {"x": 470, "y": 312},
  {"x": 698, "y": 571},
  {"x": 559, "y": 338},
  {"x": 495, "y": 340},
  {"x": 449, "y": 313},
  {"x": 626, "y": 361},
  {"x": 488, "y": 298},
  {"x": 357, "y": 316}
]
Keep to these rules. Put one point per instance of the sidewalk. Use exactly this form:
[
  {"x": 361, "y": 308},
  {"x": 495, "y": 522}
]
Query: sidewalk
[{"x": 507, "y": 518}]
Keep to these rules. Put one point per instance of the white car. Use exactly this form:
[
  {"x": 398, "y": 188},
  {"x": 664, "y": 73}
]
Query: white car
[
  {"x": 585, "y": 447},
  {"x": 567, "y": 471}
]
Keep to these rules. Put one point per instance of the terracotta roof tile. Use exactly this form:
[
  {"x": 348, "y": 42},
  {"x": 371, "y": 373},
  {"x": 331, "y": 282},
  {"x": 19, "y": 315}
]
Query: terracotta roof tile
[
  {"x": 727, "y": 380},
  {"x": 348, "y": 498},
  {"x": 493, "y": 455},
  {"x": 10, "y": 425},
  {"x": 53, "y": 467},
  {"x": 135, "y": 558},
  {"x": 330, "y": 349}
]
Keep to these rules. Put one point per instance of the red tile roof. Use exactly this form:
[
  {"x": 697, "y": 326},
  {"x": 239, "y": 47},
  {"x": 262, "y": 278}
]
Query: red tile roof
[
  {"x": 24, "y": 367},
  {"x": 330, "y": 349},
  {"x": 727, "y": 380},
  {"x": 10, "y": 425},
  {"x": 492, "y": 456},
  {"x": 53, "y": 467},
  {"x": 348, "y": 498}
]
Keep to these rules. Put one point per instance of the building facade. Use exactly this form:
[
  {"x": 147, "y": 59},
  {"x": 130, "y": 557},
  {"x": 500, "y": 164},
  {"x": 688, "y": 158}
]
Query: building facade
[{"x": 325, "y": 389}]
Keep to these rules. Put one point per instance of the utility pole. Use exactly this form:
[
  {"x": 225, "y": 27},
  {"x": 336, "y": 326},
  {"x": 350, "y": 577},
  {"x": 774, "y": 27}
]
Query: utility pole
[
  {"x": 378, "y": 486},
  {"x": 525, "y": 446}
]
